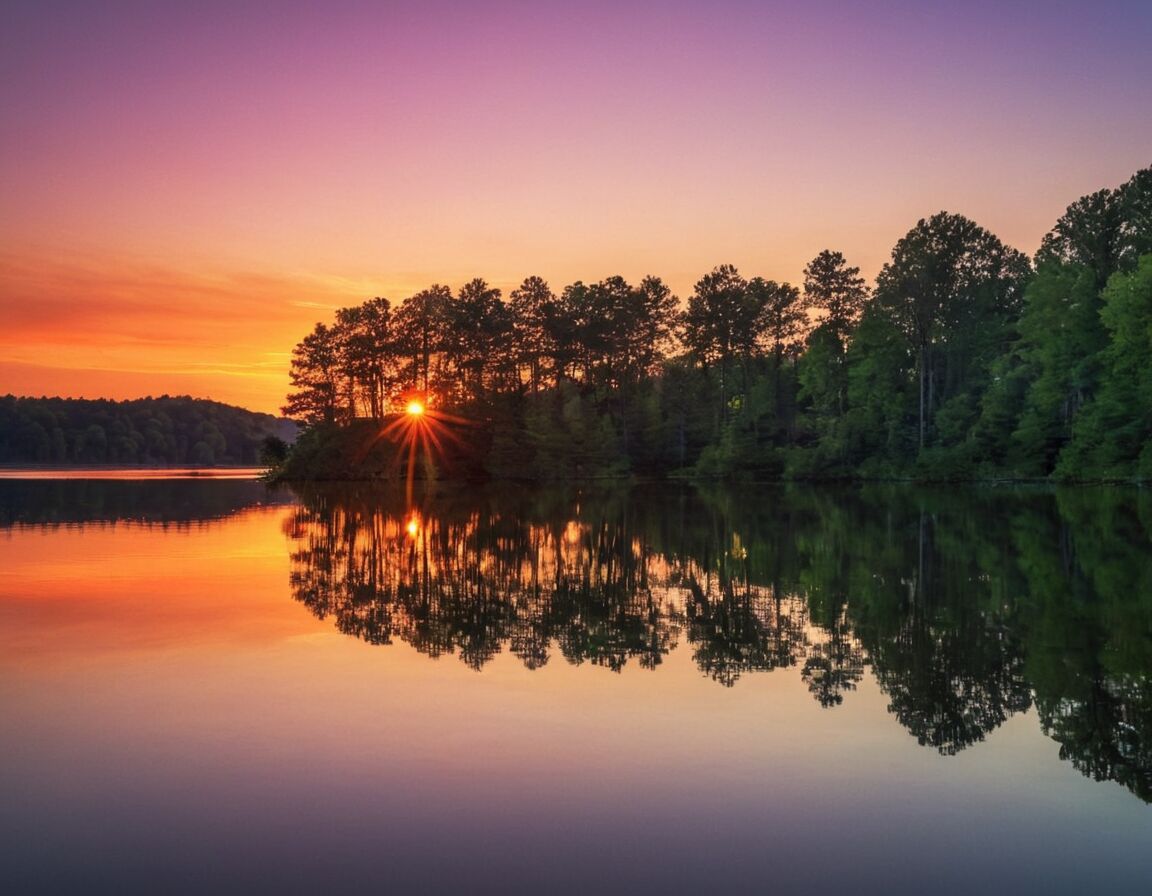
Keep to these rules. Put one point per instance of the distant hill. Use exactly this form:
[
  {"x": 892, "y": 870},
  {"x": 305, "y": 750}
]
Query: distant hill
[{"x": 145, "y": 431}]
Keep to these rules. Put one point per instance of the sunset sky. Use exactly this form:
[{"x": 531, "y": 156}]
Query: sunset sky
[{"x": 185, "y": 189}]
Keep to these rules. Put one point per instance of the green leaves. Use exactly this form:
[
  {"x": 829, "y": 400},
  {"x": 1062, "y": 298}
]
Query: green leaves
[{"x": 1111, "y": 437}]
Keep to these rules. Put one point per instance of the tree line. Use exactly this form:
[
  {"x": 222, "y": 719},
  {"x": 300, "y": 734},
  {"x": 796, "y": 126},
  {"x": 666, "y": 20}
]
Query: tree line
[
  {"x": 165, "y": 430},
  {"x": 963, "y": 359}
]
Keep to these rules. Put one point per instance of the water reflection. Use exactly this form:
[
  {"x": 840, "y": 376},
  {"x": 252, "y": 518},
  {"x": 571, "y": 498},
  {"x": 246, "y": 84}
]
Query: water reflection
[
  {"x": 68, "y": 501},
  {"x": 968, "y": 607}
]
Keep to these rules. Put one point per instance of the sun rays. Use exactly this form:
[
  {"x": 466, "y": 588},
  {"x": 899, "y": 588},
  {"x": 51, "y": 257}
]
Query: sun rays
[{"x": 421, "y": 431}]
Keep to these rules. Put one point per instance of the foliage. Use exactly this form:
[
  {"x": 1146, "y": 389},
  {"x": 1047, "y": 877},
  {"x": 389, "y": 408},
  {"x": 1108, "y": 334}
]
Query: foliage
[
  {"x": 1061, "y": 338},
  {"x": 951, "y": 290},
  {"x": 836, "y": 293},
  {"x": 1113, "y": 437}
]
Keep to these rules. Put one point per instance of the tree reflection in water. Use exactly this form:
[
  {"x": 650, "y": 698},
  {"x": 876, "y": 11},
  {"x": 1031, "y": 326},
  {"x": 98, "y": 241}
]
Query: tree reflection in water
[{"x": 968, "y": 606}]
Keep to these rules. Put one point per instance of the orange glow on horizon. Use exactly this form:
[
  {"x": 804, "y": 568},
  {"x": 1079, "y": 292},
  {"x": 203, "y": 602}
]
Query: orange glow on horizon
[
  {"x": 415, "y": 408},
  {"x": 202, "y": 230}
]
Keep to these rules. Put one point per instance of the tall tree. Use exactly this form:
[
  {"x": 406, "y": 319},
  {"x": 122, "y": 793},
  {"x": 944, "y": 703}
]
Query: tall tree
[
  {"x": 421, "y": 329},
  {"x": 604, "y": 331},
  {"x": 952, "y": 289},
  {"x": 534, "y": 310},
  {"x": 478, "y": 336},
  {"x": 646, "y": 328},
  {"x": 576, "y": 332},
  {"x": 722, "y": 323},
  {"x": 378, "y": 354},
  {"x": 1061, "y": 337},
  {"x": 836, "y": 293},
  {"x": 1088, "y": 233},
  {"x": 1105, "y": 231},
  {"x": 368, "y": 359},
  {"x": 1113, "y": 437},
  {"x": 315, "y": 376},
  {"x": 781, "y": 320},
  {"x": 1135, "y": 238}
]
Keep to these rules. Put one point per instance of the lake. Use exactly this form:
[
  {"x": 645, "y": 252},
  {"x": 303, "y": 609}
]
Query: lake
[{"x": 211, "y": 686}]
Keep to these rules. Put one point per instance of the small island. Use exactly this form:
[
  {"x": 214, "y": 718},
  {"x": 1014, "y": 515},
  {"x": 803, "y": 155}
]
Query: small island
[{"x": 965, "y": 360}]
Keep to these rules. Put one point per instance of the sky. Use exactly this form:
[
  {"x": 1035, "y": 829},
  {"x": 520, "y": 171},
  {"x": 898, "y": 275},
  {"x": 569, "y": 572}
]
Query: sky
[{"x": 186, "y": 189}]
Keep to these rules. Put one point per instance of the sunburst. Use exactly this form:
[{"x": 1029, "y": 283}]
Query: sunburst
[{"x": 420, "y": 429}]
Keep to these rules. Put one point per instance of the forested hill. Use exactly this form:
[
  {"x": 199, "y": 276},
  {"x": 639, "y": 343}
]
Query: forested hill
[{"x": 165, "y": 430}]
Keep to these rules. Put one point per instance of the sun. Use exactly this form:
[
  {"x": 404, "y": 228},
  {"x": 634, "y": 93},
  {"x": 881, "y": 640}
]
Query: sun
[{"x": 420, "y": 429}]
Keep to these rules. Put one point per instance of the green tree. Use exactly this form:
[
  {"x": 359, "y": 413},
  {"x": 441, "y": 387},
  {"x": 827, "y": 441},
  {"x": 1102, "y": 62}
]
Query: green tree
[
  {"x": 576, "y": 333},
  {"x": 836, "y": 293},
  {"x": 601, "y": 317},
  {"x": 781, "y": 320},
  {"x": 877, "y": 432},
  {"x": 1061, "y": 336},
  {"x": 1088, "y": 234},
  {"x": 1135, "y": 238},
  {"x": 1113, "y": 437},
  {"x": 953, "y": 291},
  {"x": 722, "y": 323},
  {"x": 781, "y": 324}
]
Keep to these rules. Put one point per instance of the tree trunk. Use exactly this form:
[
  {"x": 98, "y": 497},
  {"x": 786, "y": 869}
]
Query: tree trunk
[{"x": 920, "y": 364}]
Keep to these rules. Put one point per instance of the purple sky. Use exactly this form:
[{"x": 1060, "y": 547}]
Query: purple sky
[{"x": 243, "y": 168}]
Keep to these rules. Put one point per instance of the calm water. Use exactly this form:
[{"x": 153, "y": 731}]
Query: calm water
[{"x": 206, "y": 686}]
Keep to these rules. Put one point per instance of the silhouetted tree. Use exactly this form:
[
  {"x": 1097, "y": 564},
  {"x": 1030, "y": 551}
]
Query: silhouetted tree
[
  {"x": 316, "y": 377},
  {"x": 535, "y": 316},
  {"x": 836, "y": 293},
  {"x": 722, "y": 323},
  {"x": 422, "y": 337}
]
